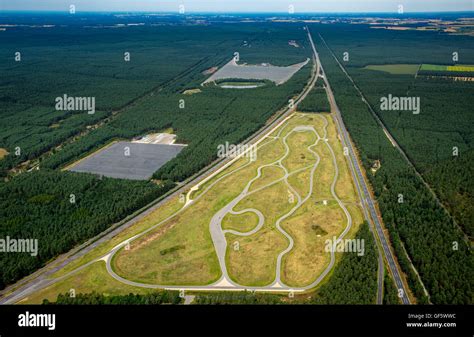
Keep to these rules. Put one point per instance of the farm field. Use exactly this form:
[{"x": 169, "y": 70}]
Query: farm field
[
  {"x": 456, "y": 68},
  {"x": 396, "y": 69}
]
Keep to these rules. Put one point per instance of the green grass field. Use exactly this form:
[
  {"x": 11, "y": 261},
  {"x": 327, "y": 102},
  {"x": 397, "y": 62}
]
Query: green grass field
[
  {"x": 240, "y": 222},
  {"x": 441, "y": 68},
  {"x": 254, "y": 263},
  {"x": 93, "y": 278},
  {"x": 396, "y": 69},
  {"x": 196, "y": 263},
  {"x": 433, "y": 67}
]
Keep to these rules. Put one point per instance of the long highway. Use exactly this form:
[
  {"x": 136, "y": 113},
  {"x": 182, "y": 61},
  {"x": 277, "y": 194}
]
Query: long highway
[{"x": 367, "y": 201}]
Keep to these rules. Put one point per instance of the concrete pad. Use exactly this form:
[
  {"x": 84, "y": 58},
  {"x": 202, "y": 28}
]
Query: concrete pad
[{"x": 143, "y": 160}]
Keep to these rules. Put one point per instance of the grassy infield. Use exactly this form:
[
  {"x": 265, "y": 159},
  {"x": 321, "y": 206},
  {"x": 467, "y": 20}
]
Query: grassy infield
[{"x": 180, "y": 251}]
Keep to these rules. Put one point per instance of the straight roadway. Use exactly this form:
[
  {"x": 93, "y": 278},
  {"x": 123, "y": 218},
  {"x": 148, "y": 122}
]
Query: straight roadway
[{"x": 367, "y": 202}]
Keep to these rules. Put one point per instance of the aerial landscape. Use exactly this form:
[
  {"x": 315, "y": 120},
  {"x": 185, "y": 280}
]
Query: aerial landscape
[{"x": 188, "y": 156}]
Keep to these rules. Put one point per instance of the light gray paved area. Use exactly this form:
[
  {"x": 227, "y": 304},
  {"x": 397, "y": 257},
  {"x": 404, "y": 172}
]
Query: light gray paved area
[
  {"x": 279, "y": 75},
  {"x": 143, "y": 160}
]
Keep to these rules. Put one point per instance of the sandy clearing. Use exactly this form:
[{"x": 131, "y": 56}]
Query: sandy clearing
[
  {"x": 278, "y": 75},
  {"x": 3, "y": 152}
]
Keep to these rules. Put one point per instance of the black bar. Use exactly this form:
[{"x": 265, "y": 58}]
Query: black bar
[{"x": 239, "y": 320}]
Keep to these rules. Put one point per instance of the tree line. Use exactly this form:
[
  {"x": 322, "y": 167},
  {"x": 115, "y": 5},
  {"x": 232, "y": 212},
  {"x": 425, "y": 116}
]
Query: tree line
[{"x": 154, "y": 298}]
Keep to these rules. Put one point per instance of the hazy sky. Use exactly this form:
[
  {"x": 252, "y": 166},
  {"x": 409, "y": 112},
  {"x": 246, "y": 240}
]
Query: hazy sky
[{"x": 242, "y": 5}]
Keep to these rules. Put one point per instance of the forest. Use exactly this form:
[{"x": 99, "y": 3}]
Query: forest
[
  {"x": 154, "y": 298},
  {"x": 237, "y": 298},
  {"x": 354, "y": 279},
  {"x": 418, "y": 226},
  {"x": 316, "y": 101},
  {"x": 62, "y": 210},
  {"x": 452, "y": 179},
  {"x": 81, "y": 62},
  {"x": 202, "y": 121},
  {"x": 85, "y": 61}
]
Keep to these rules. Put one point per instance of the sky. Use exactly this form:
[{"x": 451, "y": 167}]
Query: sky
[{"x": 229, "y": 6}]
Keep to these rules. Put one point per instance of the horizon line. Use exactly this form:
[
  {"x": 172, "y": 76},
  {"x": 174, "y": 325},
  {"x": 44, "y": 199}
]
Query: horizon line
[{"x": 231, "y": 12}]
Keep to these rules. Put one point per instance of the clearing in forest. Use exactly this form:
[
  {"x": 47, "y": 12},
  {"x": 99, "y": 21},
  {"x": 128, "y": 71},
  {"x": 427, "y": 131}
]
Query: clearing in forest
[
  {"x": 262, "y": 222},
  {"x": 395, "y": 69},
  {"x": 278, "y": 75}
]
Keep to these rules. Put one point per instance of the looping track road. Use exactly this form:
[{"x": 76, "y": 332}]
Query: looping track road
[{"x": 218, "y": 235}]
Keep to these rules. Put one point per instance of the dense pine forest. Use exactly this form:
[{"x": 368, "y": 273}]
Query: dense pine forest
[
  {"x": 217, "y": 116},
  {"x": 238, "y": 298},
  {"x": 354, "y": 279},
  {"x": 316, "y": 101},
  {"x": 61, "y": 210},
  {"x": 95, "y": 59},
  {"x": 453, "y": 181},
  {"x": 417, "y": 225},
  {"x": 155, "y": 298}
]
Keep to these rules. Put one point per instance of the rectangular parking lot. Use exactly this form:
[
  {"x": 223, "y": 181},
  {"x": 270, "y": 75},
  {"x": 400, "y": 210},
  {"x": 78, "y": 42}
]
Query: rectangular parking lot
[{"x": 128, "y": 160}]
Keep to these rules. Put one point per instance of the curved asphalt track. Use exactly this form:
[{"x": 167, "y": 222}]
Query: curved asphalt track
[{"x": 218, "y": 235}]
